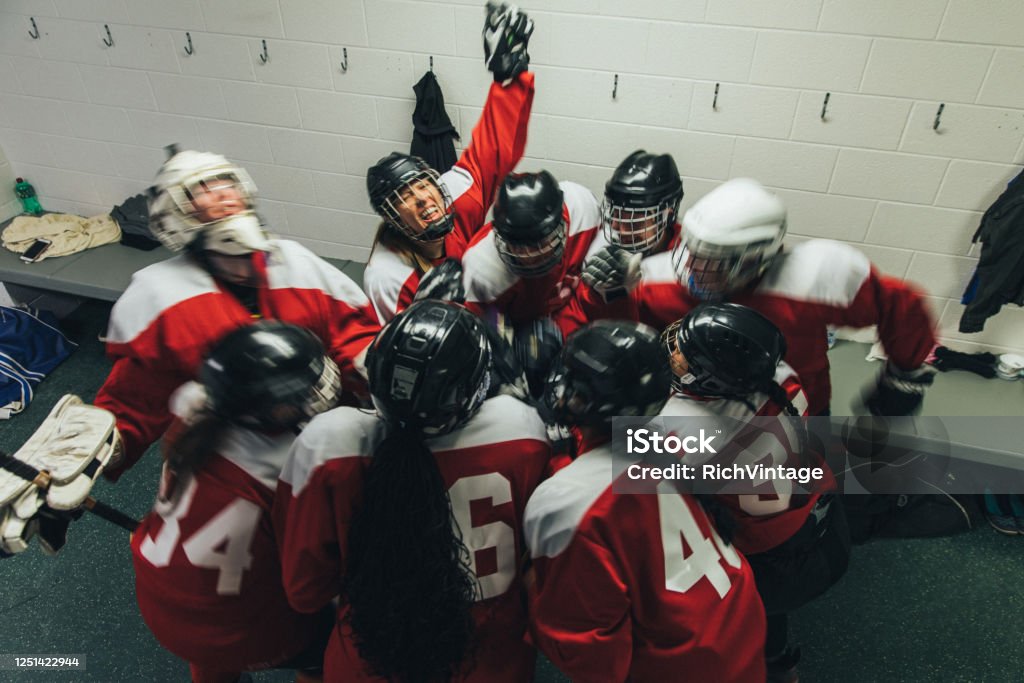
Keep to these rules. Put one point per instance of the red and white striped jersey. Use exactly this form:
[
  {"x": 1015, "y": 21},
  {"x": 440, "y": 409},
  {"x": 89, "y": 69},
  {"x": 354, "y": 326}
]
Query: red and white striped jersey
[
  {"x": 637, "y": 587},
  {"x": 489, "y": 281},
  {"x": 490, "y": 466},
  {"x": 499, "y": 138},
  {"x": 174, "y": 311},
  {"x": 815, "y": 284},
  {"x": 764, "y": 520},
  {"x": 207, "y": 571}
]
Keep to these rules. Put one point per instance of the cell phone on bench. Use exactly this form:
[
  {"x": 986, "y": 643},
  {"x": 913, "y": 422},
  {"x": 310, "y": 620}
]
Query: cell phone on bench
[{"x": 35, "y": 252}]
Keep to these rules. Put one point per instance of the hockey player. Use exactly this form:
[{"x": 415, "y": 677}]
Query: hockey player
[
  {"x": 727, "y": 362},
  {"x": 636, "y": 587},
  {"x": 412, "y": 517},
  {"x": 641, "y": 204},
  {"x": 207, "y": 571},
  {"x": 429, "y": 217},
  {"x": 230, "y": 273},
  {"x": 731, "y": 250}
]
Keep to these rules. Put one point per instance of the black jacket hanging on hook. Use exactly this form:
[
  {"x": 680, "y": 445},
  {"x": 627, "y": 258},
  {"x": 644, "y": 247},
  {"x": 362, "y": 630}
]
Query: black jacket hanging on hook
[
  {"x": 432, "y": 129},
  {"x": 999, "y": 278}
]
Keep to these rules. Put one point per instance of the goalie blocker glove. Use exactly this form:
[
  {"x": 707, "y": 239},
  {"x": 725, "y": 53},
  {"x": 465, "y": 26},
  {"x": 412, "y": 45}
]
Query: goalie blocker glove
[
  {"x": 900, "y": 392},
  {"x": 612, "y": 272},
  {"x": 507, "y": 33}
]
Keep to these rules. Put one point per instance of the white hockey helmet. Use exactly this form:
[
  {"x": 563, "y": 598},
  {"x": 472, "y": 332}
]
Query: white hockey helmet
[
  {"x": 729, "y": 238},
  {"x": 177, "y": 222}
]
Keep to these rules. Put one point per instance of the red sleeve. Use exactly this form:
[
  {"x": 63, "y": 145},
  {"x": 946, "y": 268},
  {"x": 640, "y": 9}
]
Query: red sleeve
[
  {"x": 137, "y": 393},
  {"x": 586, "y": 305},
  {"x": 311, "y": 527},
  {"x": 580, "y": 613},
  {"x": 905, "y": 326},
  {"x": 499, "y": 139}
]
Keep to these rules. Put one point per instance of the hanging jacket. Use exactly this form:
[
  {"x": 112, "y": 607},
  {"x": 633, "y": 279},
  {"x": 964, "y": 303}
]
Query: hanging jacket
[
  {"x": 432, "y": 129},
  {"x": 999, "y": 278}
]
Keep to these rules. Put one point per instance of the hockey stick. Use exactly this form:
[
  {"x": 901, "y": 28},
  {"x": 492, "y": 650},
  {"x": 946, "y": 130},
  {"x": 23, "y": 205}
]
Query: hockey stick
[{"x": 41, "y": 479}]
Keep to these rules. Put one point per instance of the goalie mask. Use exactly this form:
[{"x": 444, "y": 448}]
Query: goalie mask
[
  {"x": 270, "y": 376},
  {"x": 723, "y": 351},
  {"x": 641, "y": 202},
  {"x": 529, "y": 229},
  {"x": 407, "y": 193},
  {"x": 729, "y": 238},
  {"x": 608, "y": 368},
  {"x": 429, "y": 368},
  {"x": 203, "y": 194}
]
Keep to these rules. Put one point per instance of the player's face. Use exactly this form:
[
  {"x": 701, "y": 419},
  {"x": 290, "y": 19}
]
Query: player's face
[
  {"x": 636, "y": 229},
  {"x": 215, "y": 199},
  {"x": 234, "y": 270},
  {"x": 677, "y": 361},
  {"x": 420, "y": 204}
]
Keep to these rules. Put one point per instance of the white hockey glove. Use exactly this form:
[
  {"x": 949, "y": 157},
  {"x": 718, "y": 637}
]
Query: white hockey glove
[
  {"x": 900, "y": 392},
  {"x": 612, "y": 272},
  {"x": 44, "y": 484},
  {"x": 507, "y": 33}
]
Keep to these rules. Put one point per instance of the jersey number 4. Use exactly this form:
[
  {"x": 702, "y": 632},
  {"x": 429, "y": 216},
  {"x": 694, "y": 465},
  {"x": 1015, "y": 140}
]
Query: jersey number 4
[
  {"x": 223, "y": 543},
  {"x": 679, "y": 530}
]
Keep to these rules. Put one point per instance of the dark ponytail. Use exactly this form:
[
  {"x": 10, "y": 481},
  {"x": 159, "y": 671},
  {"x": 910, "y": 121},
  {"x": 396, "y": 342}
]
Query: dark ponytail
[
  {"x": 778, "y": 396},
  {"x": 408, "y": 582},
  {"x": 188, "y": 446}
]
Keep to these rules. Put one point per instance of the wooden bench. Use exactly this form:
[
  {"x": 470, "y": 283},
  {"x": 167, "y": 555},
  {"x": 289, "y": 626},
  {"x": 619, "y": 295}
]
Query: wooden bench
[{"x": 103, "y": 272}]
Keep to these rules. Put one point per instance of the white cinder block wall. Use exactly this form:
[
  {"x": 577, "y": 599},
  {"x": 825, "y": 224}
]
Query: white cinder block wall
[{"x": 86, "y": 122}]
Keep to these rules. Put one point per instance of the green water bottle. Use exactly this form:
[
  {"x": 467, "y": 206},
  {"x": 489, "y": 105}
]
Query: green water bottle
[{"x": 27, "y": 194}]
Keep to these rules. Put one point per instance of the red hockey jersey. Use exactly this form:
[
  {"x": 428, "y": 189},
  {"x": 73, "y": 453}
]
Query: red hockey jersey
[
  {"x": 489, "y": 281},
  {"x": 491, "y": 466},
  {"x": 768, "y": 519},
  {"x": 499, "y": 139},
  {"x": 207, "y": 572},
  {"x": 637, "y": 587},
  {"x": 174, "y": 311},
  {"x": 807, "y": 288}
]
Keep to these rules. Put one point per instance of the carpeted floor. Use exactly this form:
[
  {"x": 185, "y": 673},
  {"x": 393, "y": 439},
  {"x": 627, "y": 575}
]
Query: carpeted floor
[{"x": 948, "y": 609}]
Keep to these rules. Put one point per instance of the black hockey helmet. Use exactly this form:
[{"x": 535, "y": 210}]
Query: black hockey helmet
[
  {"x": 385, "y": 181},
  {"x": 529, "y": 230},
  {"x": 429, "y": 367},
  {"x": 641, "y": 201},
  {"x": 270, "y": 376},
  {"x": 608, "y": 368},
  {"x": 731, "y": 351}
]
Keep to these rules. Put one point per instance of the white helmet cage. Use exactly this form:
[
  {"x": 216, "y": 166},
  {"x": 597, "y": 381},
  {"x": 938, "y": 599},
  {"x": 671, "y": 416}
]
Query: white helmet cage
[
  {"x": 637, "y": 229},
  {"x": 729, "y": 238},
  {"x": 438, "y": 226},
  {"x": 172, "y": 213}
]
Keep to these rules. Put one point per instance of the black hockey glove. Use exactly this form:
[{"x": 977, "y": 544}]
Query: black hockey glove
[
  {"x": 612, "y": 272},
  {"x": 443, "y": 282},
  {"x": 507, "y": 33},
  {"x": 900, "y": 392},
  {"x": 536, "y": 345}
]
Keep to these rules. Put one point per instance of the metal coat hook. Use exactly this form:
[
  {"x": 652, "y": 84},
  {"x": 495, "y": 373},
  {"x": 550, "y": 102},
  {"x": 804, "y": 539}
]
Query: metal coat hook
[
  {"x": 35, "y": 29},
  {"x": 344, "y": 60},
  {"x": 824, "y": 105},
  {"x": 109, "y": 40},
  {"x": 615, "y": 87},
  {"x": 938, "y": 116},
  {"x": 264, "y": 57},
  {"x": 714, "y": 102},
  {"x": 188, "y": 45},
  {"x": 431, "y": 63}
]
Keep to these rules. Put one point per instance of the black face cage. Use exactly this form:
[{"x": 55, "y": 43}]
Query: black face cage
[
  {"x": 389, "y": 207},
  {"x": 535, "y": 258}
]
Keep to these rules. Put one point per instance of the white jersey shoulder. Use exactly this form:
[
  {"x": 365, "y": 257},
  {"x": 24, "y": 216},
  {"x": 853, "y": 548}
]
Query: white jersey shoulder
[
  {"x": 385, "y": 275},
  {"x": 822, "y": 271},
  {"x": 456, "y": 181},
  {"x": 658, "y": 270},
  {"x": 339, "y": 433},
  {"x": 153, "y": 290},
  {"x": 500, "y": 419},
  {"x": 584, "y": 211},
  {"x": 485, "y": 275},
  {"x": 291, "y": 265},
  {"x": 557, "y": 507}
]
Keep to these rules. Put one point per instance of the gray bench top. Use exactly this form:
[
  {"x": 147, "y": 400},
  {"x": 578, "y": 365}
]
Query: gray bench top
[{"x": 103, "y": 272}]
